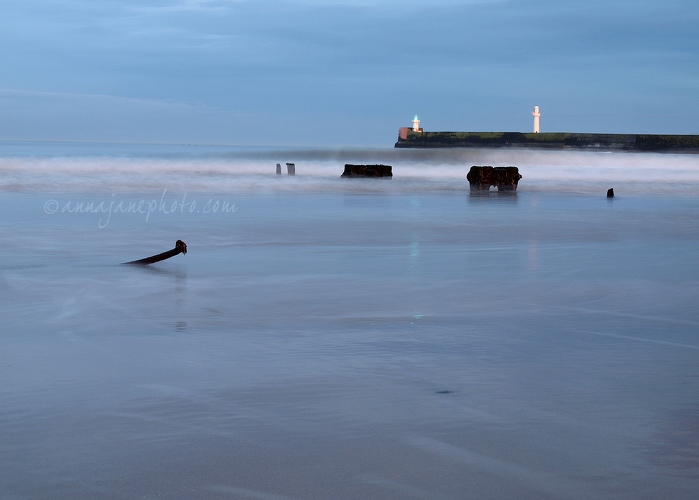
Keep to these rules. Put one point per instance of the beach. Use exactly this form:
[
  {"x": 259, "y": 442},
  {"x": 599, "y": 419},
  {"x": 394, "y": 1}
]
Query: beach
[{"x": 346, "y": 338}]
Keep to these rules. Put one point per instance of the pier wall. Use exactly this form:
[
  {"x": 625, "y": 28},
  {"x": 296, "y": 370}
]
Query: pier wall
[{"x": 555, "y": 140}]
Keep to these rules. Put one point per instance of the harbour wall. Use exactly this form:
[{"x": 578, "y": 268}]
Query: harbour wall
[{"x": 552, "y": 140}]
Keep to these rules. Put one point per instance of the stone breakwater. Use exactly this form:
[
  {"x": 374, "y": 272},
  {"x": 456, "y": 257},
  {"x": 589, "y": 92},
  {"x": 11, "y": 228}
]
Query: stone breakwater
[
  {"x": 367, "y": 171},
  {"x": 563, "y": 140},
  {"x": 480, "y": 178}
]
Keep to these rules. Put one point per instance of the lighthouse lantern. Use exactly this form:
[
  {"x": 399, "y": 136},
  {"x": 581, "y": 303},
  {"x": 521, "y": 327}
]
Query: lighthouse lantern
[{"x": 416, "y": 124}]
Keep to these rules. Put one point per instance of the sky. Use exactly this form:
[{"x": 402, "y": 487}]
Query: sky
[{"x": 342, "y": 73}]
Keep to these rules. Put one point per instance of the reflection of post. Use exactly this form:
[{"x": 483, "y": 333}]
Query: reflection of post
[
  {"x": 279, "y": 169},
  {"x": 291, "y": 169}
]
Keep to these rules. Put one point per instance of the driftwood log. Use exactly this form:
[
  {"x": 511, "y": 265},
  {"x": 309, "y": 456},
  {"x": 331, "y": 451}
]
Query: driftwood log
[
  {"x": 367, "y": 171},
  {"x": 180, "y": 248},
  {"x": 504, "y": 178}
]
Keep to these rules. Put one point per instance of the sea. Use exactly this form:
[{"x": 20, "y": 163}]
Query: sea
[{"x": 333, "y": 338}]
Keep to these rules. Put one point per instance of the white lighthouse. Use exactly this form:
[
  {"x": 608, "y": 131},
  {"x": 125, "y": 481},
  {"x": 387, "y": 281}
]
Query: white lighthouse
[
  {"x": 536, "y": 119},
  {"x": 416, "y": 124}
]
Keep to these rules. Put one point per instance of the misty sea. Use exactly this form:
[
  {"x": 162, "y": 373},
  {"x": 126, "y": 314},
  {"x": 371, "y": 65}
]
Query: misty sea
[{"x": 329, "y": 338}]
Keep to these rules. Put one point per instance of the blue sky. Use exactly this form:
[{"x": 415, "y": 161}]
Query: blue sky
[{"x": 342, "y": 73}]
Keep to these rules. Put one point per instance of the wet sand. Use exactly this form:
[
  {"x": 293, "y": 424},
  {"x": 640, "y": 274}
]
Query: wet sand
[{"x": 352, "y": 345}]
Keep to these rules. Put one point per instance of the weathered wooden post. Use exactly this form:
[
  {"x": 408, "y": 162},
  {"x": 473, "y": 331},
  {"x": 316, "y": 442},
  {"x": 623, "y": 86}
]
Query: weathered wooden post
[
  {"x": 480, "y": 177},
  {"x": 506, "y": 178}
]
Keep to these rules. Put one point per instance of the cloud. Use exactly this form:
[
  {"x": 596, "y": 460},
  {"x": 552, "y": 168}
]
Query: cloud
[
  {"x": 95, "y": 117},
  {"x": 466, "y": 64}
]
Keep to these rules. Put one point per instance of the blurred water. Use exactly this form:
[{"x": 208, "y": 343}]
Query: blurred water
[
  {"x": 346, "y": 342},
  {"x": 150, "y": 169}
]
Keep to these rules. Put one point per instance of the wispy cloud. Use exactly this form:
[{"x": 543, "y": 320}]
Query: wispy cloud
[
  {"x": 112, "y": 99},
  {"x": 467, "y": 64}
]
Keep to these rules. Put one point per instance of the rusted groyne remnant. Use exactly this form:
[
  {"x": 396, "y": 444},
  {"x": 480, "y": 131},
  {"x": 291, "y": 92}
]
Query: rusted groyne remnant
[
  {"x": 180, "y": 248},
  {"x": 482, "y": 177},
  {"x": 367, "y": 171}
]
